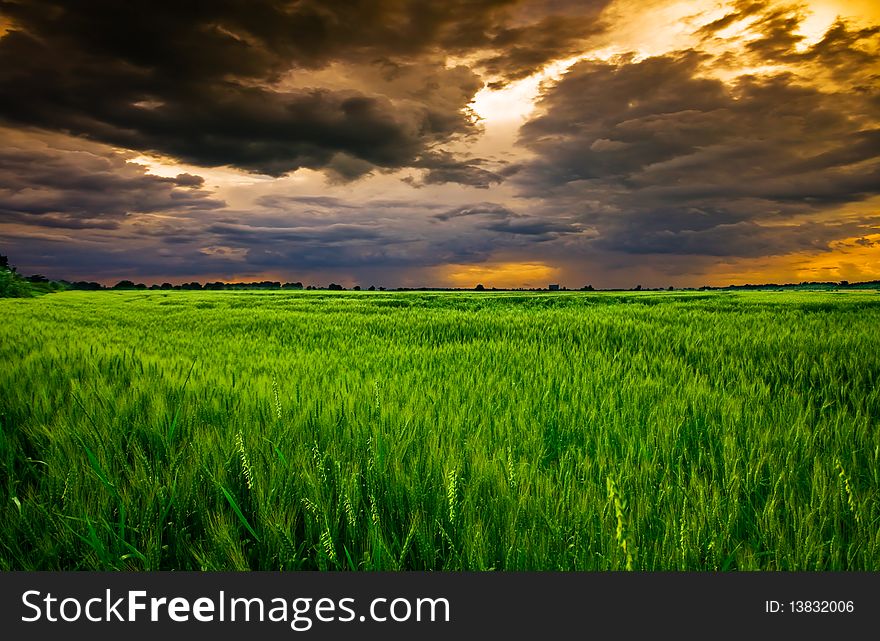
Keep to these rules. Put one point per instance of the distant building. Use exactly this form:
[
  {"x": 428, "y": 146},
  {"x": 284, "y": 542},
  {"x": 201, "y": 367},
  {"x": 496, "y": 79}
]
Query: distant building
[{"x": 554, "y": 287}]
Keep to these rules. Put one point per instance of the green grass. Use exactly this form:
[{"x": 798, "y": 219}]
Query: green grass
[{"x": 367, "y": 431}]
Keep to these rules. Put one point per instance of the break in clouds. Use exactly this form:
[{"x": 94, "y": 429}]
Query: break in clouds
[{"x": 350, "y": 132}]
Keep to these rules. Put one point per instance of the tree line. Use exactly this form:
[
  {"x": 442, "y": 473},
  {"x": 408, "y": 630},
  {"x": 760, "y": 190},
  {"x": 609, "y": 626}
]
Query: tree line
[{"x": 15, "y": 285}]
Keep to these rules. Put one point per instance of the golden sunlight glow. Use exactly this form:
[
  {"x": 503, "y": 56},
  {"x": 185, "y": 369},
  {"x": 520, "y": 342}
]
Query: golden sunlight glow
[
  {"x": 516, "y": 101},
  {"x": 821, "y": 14},
  {"x": 504, "y": 275},
  {"x": 861, "y": 11},
  {"x": 815, "y": 25},
  {"x": 853, "y": 259},
  {"x": 656, "y": 28}
]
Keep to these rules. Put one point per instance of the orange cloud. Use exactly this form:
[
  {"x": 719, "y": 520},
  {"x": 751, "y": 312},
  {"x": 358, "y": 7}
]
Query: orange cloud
[{"x": 852, "y": 259}]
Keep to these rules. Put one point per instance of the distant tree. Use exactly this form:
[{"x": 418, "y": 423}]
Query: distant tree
[
  {"x": 479, "y": 287},
  {"x": 310, "y": 288},
  {"x": 371, "y": 288},
  {"x": 637, "y": 288},
  {"x": 13, "y": 286},
  {"x": 381, "y": 289},
  {"x": 140, "y": 286},
  {"x": 4, "y": 262},
  {"x": 154, "y": 287},
  {"x": 671, "y": 288},
  {"x": 336, "y": 288},
  {"x": 166, "y": 286},
  {"x": 844, "y": 283},
  {"x": 587, "y": 288},
  {"x": 357, "y": 288},
  {"x": 296, "y": 285},
  {"x": 37, "y": 278},
  {"x": 124, "y": 284},
  {"x": 81, "y": 284}
]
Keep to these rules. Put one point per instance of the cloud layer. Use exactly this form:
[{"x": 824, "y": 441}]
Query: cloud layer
[
  {"x": 50, "y": 181},
  {"x": 337, "y": 140}
]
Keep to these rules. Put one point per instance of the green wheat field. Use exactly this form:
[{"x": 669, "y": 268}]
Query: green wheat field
[{"x": 440, "y": 431}]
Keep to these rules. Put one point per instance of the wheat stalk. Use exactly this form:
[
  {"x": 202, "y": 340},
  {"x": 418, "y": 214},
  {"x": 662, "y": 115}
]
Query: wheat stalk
[
  {"x": 245, "y": 462},
  {"x": 619, "y": 504},
  {"x": 327, "y": 544},
  {"x": 452, "y": 493},
  {"x": 850, "y": 498},
  {"x": 277, "y": 397}
]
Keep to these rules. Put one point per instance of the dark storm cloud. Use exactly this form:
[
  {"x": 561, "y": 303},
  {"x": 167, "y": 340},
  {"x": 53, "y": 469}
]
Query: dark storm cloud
[
  {"x": 520, "y": 51},
  {"x": 87, "y": 187},
  {"x": 655, "y": 157},
  {"x": 202, "y": 82},
  {"x": 225, "y": 123},
  {"x": 444, "y": 168}
]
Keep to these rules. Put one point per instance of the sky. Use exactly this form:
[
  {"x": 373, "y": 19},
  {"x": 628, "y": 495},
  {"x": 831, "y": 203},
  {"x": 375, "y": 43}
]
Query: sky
[{"x": 408, "y": 143}]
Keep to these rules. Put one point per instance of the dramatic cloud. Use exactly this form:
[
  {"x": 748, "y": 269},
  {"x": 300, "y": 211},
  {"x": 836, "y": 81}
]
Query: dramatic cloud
[
  {"x": 205, "y": 83},
  {"x": 658, "y": 157}
]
